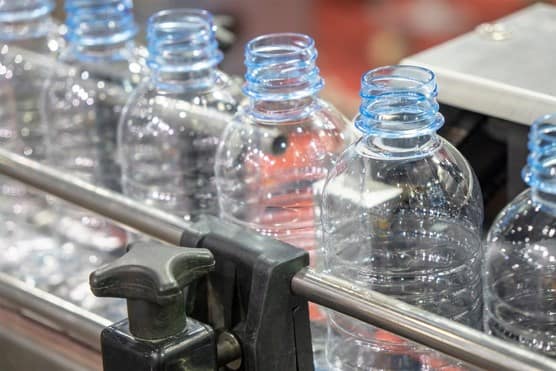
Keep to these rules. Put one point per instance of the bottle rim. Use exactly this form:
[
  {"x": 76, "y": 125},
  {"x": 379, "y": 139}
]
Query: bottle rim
[
  {"x": 288, "y": 44},
  {"x": 421, "y": 78},
  {"x": 162, "y": 17}
]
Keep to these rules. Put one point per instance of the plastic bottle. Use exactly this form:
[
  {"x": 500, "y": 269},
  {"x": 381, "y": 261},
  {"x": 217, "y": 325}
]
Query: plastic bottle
[
  {"x": 28, "y": 39},
  {"x": 172, "y": 124},
  {"x": 402, "y": 214},
  {"x": 27, "y": 30},
  {"x": 520, "y": 261},
  {"x": 81, "y": 105},
  {"x": 276, "y": 152}
]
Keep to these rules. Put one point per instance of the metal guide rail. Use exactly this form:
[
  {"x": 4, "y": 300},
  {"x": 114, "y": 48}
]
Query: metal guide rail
[{"x": 436, "y": 332}]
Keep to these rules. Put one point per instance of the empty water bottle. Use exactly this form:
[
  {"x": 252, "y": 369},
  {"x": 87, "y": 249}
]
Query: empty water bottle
[
  {"x": 402, "y": 214},
  {"x": 277, "y": 150},
  {"x": 28, "y": 39},
  {"x": 520, "y": 262},
  {"x": 172, "y": 124},
  {"x": 82, "y": 103}
]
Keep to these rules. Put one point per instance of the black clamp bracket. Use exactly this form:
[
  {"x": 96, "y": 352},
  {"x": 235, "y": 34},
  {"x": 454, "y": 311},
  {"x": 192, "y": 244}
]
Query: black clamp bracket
[{"x": 249, "y": 295}]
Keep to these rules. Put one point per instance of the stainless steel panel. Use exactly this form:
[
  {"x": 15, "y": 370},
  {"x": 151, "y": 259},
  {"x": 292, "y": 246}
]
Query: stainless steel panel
[{"x": 503, "y": 70}]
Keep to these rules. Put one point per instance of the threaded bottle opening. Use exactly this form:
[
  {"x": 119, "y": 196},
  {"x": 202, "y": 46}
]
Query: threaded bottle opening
[
  {"x": 12, "y": 11},
  {"x": 281, "y": 66},
  {"x": 182, "y": 40},
  {"x": 540, "y": 171},
  {"x": 99, "y": 22},
  {"x": 399, "y": 102}
]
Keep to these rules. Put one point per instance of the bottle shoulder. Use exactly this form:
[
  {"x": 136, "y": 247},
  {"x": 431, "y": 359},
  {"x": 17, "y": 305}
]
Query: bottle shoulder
[
  {"x": 440, "y": 183},
  {"x": 152, "y": 110},
  {"x": 223, "y": 92},
  {"x": 523, "y": 221},
  {"x": 284, "y": 148}
]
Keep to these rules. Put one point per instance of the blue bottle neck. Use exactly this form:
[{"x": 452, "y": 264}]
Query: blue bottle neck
[
  {"x": 282, "y": 80},
  {"x": 399, "y": 111},
  {"x": 100, "y": 29},
  {"x": 25, "y": 20},
  {"x": 183, "y": 51},
  {"x": 540, "y": 171}
]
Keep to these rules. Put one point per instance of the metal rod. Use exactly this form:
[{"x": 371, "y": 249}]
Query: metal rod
[
  {"x": 109, "y": 204},
  {"x": 52, "y": 311},
  {"x": 416, "y": 324},
  {"x": 382, "y": 311}
]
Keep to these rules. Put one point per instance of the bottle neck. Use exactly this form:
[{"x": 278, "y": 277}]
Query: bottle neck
[
  {"x": 399, "y": 148},
  {"x": 176, "y": 81},
  {"x": 282, "y": 79},
  {"x": 539, "y": 173},
  {"x": 399, "y": 111},
  {"x": 101, "y": 53},
  {"x": 281, "y": 111},
  {"x": 183, "y": 51},
  {"x": 100, "y": 29}
]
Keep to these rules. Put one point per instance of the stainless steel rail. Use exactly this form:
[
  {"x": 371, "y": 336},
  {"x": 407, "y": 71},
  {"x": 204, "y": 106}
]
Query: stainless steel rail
[
  {"x": 374, "y": 308},
  {"x": 439, "y": 333},
  {"x": 52, "y": 311}
]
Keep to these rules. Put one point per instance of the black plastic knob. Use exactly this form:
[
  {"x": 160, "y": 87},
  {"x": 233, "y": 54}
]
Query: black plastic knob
[{"x": 153, "y": 278}]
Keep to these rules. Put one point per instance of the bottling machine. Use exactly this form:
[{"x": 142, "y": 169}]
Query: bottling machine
[{"x": 247, "y": 295}]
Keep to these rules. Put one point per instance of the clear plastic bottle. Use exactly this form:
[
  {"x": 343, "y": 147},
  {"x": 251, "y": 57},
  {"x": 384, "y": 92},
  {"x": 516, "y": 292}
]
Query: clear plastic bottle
[
  {"x": 276, "y": 152},
  {"x": 26, "y": 30},
  {"x": 172, "y": 124},
  {"x": 28, "y": 39},
  {"x": 520, "y": 261},
  {"x": 81, "y": 105},
  {"x": 402, "y": 213}
]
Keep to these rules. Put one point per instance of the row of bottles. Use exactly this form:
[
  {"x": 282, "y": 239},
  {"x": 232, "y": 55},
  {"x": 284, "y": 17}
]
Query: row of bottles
[{"x": 390, "y": 206}]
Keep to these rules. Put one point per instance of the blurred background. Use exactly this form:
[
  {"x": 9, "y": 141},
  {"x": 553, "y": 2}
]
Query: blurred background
[{"x": 352, "y": 36}]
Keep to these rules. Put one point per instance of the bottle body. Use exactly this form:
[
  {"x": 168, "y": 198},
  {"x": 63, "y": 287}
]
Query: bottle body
[
  {"x": 28, "y": 41},
  {"x": 168, "y": 141},
  {"x": 29, "y": 38},
  {"x": 407, "y": 228},
  {"x": 520, "y": 258},
  {"x": 276, "y": 152},
  {"x": 82, "y": 104},
  {"x": 402, "y": 214},
  {"x": 172, "y": 124},
  {"x": 269, "y": 173},
  {"x": 519, "y": 275},
  {"x": 81, "y": 107}
]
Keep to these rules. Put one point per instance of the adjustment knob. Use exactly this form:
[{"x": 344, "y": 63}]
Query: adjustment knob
[{"x": 153, "y": 278}]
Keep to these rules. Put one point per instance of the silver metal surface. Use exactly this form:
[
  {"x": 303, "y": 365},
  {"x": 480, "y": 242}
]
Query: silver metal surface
[
  {"x": 52, "y": 311},
  {"x": 504, "y": 69},
  {"x": 382, "y": 311}
]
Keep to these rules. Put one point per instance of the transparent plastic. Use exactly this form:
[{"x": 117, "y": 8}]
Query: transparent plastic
[
  {"x": 172, "y": 124},
  {"x": 276, "y": 152},
  {"x": 81, "y": 105},
  {"x": 520, "y": 261},
  {"x": 28, "y": 36},
  {"x": 402, "y": 214}
]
